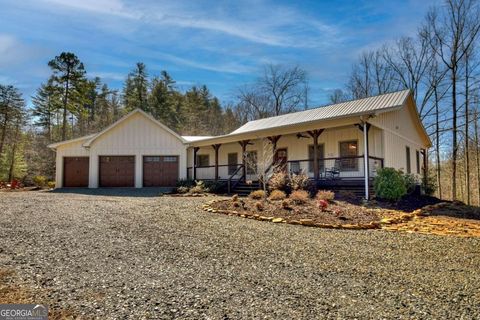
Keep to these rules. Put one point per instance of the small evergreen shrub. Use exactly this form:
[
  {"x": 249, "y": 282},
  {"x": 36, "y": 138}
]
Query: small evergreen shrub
[
  {"x": 257, "y": 194},
  {"x": 277, "y": 195},
  {"x": 429, "y": 185},
  {"x": 389, "y": 184},
  {"x": 325, "y": 195},
  {"x": 299, "y": 182},
  {"x": 411, "y": 182},
  {"x": 51, "y": 184},
  {"x": 299, "y": 196},
  {"x": 214, "y": 186},
  {"x": 183, "y": 190},
  {"x": 199, "y": 188},
  {"x": 40, "y": 181},
  {"x": 186, "y": 183},
  {"x": 286, "y": 204},
  {"x": 278, "y": 181},
  {"x": 259, "y": 206}
]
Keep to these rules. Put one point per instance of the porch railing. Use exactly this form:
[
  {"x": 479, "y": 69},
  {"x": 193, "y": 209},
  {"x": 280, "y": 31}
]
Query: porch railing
[{"x": 329, "y": 169}]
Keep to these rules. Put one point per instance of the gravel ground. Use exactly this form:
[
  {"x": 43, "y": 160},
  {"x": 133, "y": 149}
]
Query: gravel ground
[{"x": 128, "y": 254}]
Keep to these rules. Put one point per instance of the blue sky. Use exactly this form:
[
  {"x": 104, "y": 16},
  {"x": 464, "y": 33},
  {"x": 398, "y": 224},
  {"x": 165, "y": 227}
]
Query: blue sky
[{"x": 222, "y": 44}]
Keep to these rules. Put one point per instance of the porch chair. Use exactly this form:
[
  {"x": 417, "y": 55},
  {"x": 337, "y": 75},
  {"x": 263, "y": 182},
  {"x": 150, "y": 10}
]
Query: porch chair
[{"x": 334, "y": 172}]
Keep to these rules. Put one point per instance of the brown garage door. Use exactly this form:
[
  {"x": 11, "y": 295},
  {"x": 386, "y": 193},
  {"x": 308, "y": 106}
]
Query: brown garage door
[
  {"x": 117, "y": 171},
  {"x": 75, "y": 172},
  {"x": 160, "y": 171}
]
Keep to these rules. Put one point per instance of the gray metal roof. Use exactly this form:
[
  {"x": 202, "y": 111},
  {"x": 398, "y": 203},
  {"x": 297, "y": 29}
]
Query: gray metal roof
[{"x": 348, "y": 108}]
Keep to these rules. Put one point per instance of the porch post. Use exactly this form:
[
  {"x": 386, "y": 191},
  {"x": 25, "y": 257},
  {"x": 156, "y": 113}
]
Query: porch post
[
  {"x": 315, "y": 134},
  {"x": 216, "y": 147},
  {"x": 244, "y": 144},
  {"x": 425, "y": 166},
  {"x": 365, "y": 157},
  {"x": 274, "y": 140},
  {"x": 195, "y": 150}
]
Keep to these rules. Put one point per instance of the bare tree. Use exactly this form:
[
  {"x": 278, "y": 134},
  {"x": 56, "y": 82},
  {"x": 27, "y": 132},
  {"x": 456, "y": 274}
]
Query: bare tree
[
  {"x": 279, "y": 90},
  {"x": 371, "y": 75},
  {"x": 338, "y": 96},
  {"x": 450, "y": 35}
]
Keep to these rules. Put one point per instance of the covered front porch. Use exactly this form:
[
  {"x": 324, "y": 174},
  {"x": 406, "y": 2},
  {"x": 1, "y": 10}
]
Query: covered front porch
[{"x": 338, "y": 156}]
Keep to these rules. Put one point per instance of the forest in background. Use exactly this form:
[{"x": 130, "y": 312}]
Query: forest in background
[{"x": 439, "y": 64}]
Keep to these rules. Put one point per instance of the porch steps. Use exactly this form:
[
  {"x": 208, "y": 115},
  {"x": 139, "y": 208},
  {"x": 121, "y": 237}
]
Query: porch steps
[{"x": 244, "y": 189}]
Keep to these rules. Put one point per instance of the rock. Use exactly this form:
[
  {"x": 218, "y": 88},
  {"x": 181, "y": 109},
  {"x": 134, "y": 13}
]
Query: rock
[{"x": 277, "y": 220}]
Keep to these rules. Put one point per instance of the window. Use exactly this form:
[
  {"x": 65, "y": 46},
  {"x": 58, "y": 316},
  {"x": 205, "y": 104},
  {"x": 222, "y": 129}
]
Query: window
[
  {"x": 232, "y": 163},
  {"x": 203, "y": 160},
  {"x": 417, "y": 157},
  {"x": 152, "y": 159},
  {"x": 321, "y": 155},
  {"x": 348, "y": 149},
  {"x": 251, "y": 160},
  {"x": 170, "y": 159},
  {"x": 407, "y": 150}
]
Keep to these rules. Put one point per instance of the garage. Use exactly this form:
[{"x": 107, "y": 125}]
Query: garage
[
  {"x": 117, "y": 171},
  {"x": 75, "y": 172},
  {"x": 160, "y": 171}
]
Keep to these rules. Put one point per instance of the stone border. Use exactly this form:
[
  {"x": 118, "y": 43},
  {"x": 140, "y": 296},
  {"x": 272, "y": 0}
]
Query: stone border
[
  {"x": 422, "y": 212},
  {"x": 304, "y": 222},
  {"x": 310, "y": 223}
]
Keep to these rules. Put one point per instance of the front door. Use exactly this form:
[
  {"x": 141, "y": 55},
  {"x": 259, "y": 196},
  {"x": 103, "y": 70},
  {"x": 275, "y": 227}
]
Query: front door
[{"x": 281, "y": 159}]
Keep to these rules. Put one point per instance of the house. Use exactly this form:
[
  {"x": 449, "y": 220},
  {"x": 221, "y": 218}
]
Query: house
[{"x": 350, "y": 142}]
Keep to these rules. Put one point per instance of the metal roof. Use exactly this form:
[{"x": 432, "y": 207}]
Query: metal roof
[
  {"x": 348, "y": 108},
  {"x": 196, "y": 138}
]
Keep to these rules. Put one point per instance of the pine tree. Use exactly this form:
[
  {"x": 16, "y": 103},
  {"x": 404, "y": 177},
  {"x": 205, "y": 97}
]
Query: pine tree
[
  {"x": 46, "y": 104},
  {"x": 135, "y": 92},
  {"x": 68, "y": 77}
]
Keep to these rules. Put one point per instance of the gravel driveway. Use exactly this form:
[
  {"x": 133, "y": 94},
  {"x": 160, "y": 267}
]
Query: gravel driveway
[{"x": 132, "y": 255}]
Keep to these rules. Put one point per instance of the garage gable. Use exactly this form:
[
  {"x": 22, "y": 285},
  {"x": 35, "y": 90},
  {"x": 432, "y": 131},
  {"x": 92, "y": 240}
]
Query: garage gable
[{"x": 136, "y": 130}]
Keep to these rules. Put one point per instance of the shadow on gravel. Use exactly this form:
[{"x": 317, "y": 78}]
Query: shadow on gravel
[{"x": 115, "y": 192}]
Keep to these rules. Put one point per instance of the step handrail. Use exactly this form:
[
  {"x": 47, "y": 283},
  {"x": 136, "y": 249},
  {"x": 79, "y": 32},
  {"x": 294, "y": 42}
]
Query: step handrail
[{"x": 229, "y": 182}]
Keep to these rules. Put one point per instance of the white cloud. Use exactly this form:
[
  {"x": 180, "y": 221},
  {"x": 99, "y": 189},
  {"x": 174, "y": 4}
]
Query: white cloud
[{"x": 264, "y": 24}]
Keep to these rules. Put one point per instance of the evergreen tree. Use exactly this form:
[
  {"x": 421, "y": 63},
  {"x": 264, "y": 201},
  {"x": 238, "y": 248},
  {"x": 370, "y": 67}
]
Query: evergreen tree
[
  {"x": 68, "y": 77},
  {"x": 46, "y": 104},
  {"x": 12, "y": 107},
  {"x": 135, "y": 91}
]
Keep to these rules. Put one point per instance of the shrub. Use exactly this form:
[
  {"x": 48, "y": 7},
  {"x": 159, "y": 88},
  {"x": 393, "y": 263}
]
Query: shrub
[
  {"x": 429, "y": 185},
  {"x": 278, "y": 181},
  {"x": 186, "y": 183},
  {"x": 389, "y": 184},
  {"x": 277, "y": 195},
  {"x": 199, "y": 188},
  {"x": 345, "y": 194},
  {"x": 183, "y": 189},
  {"x": 325, "y": 195},
  {"x": 51, "y": 184},
  {"x": 299, "y": 182},
  {"x": 235, "y": 197},
  {"x": 286, "y": 203},
  {"x": 257, "y": 194},
  {"x": 299, "y": 196},
  {"x": 214, "y": 186},
  {"x": 40, "y": 181},
  {"x": 259, "y": 206},
  {"x": 411, "y": 182},
  {"x": 322, "y": 204}
]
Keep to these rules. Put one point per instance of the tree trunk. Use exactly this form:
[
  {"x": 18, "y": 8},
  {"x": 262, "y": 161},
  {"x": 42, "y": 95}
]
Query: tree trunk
[
  {"x": 4, "y": 133},
  {"x": 65, "y": 103},
  {"x": 467, "y": 155},
  {"x": 477, "y": 158},
  {"x": 454, "y": 133},
  {"x": 14, "y": 149},
  {"x": 437, "y": 143}
]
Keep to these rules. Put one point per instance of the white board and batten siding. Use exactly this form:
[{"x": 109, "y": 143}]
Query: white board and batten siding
[
  {"x": 72, "y": 149},
  {"x": 400, "y": 130},
  {"x": 138, "y": 136}
]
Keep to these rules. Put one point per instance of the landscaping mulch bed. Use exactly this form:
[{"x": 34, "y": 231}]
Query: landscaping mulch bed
[{"x": 337, "y": 213}]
